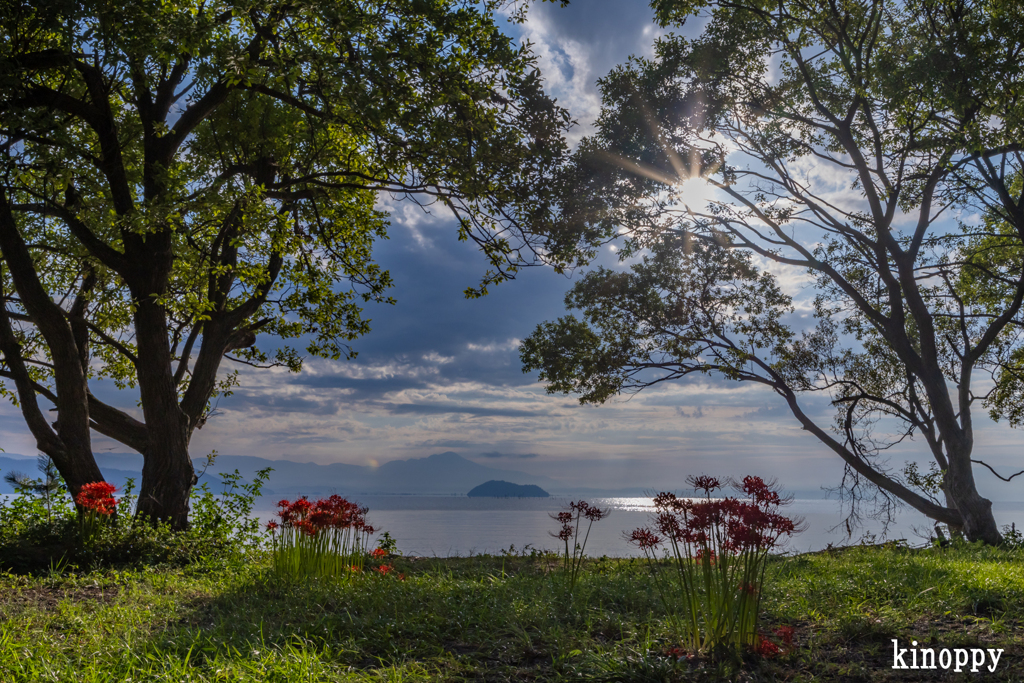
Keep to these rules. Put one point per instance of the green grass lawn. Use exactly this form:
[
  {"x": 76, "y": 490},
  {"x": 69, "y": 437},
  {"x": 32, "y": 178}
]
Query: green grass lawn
[{"x": 499, "y": 619}]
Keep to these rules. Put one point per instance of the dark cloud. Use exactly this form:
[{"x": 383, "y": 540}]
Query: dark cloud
[
  {"x": 697, "y": 412},
  {"x": 292, "y": 438},
  {"x": 444, "y": 443},
  {"x": 249, "y": 400},
  {"x": 360, "y": 388},
  {"x": 442, "y": 408},
  {"x": 519, "y": 456}
]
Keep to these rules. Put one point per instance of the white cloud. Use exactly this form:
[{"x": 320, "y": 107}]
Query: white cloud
[
  {"x": 493, "y": 347},
  {"x": 565, "y": 66}
]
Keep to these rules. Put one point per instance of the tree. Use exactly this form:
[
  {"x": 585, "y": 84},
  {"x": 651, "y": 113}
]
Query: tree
[
  {"x": 180, "y": 177},
  {"x": 858, "y": 141}
]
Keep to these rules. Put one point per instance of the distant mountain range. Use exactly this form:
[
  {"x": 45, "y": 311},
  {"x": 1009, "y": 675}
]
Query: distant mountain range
[{"x": 439, "y": 474}]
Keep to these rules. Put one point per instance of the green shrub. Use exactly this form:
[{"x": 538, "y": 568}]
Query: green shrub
[{"x": 41, "y": 532}]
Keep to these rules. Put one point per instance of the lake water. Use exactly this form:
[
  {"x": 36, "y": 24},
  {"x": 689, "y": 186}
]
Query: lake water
[
  {"x": 443, "y": 526},
  {"x": 459, "y": 526}
]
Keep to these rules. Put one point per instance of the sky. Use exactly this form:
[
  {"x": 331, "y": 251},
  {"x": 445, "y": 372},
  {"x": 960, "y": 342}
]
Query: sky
[{"x": 439, "y": 372}]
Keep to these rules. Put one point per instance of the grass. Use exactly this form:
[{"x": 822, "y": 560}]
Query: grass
[{"x": 497, "y": 619}]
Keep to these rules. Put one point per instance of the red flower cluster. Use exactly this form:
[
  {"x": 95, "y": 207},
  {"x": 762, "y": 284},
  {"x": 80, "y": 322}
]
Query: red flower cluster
[
  {"x": 644, "y": 539},
  {"x": 379, "y": 553},
  {"x": 786, "y": 633},
  {"x": 386, "y": 569},
  {"x": 98, "y": 497},
  {"x": 327, "y": 513},
  {"x": 591, "y": 512},
  {"x": 567, "y": 531},
  {"x": 710, "y": 554},
  {"x": 762, "y": 494},
  {"x": 769, "y": 649},
  {"x": 704, "y": 483},
  {"x": 730, "y": 524},
  {"x": 568, "y": 518}
]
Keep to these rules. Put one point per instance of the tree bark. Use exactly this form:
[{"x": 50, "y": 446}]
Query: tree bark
[
  {"x": 68, "y": 442},
  {"x": 167, "y": 472},
  {"x": 979, "y": 524}
]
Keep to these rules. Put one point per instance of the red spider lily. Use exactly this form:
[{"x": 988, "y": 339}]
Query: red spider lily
[
  {"x": 306, "y": 527},
  {"x": 582, "y": 507},
  {"x": 768, "y": 649},
  {"x": 571, "y": 519},
  {"x": 385, "y": 569},
  {"x": 703, "y": 552},
  {"x": 579, "y": 506},
  {"x": 665, "y": 500},
  {"x": 720, "y": 547},
  {"x": 271, "y": 526},
  {"x": 704, "y": 483},
  {"x": 321, "y": 538},
  {"x": 668, "y": 502},
  {"x": 644, "y": 539},
  {"x": 786, "y": 633},
  {"x": 763, "y": 494},
  {"x": 668, "y": 526},
  {"x": 379, "y": 553},
  {"x": 565, "y": 519},
  {"x": 675, "y": 652},
  {"x": 695, "y": 537},
  {"x": 293, "y": 512},
  {"x": 327, "y": 513},
  {"x": 98, "y": 497}
]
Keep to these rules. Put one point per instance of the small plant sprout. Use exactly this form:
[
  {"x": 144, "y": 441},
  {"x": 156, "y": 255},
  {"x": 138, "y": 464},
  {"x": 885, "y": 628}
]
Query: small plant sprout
[
  {"x": 718, "y": 548},
  {"x": 388, "y": 544},
  {"x": 571, "y": 520}
]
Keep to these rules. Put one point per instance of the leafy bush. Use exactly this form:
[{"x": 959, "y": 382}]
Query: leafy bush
[{"x": 41, "y": 531}]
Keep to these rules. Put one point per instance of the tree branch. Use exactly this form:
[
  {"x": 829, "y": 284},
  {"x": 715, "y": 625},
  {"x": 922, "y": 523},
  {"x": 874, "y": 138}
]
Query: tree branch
[{"x": 980, "y": 462}]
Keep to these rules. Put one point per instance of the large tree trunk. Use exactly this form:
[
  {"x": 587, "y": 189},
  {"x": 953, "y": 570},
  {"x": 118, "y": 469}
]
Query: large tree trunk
[
  {"x": 979, "y": 524},
  {"x": 167, "y": 480},
  {"x": 167, "y": 472}
]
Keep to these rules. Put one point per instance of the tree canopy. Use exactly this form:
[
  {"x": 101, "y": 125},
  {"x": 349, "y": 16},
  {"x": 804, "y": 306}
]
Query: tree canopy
[
  {"x": 181, "y": 178},
  {"x": 874, "y": 145}
]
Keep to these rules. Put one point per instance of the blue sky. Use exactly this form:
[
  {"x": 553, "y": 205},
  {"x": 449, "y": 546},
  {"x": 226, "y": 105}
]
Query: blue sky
[{"x": 439, "y": 372}]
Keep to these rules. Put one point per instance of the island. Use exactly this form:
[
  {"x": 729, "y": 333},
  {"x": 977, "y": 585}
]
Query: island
[{"x": 504, "y": 489}]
